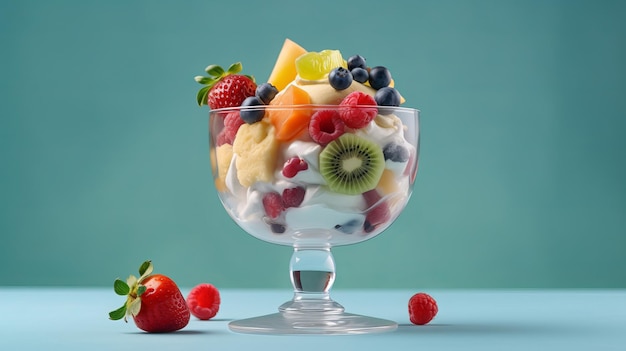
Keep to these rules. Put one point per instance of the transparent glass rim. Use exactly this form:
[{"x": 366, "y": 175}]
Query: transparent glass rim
[{"x": 312, "y": 106}]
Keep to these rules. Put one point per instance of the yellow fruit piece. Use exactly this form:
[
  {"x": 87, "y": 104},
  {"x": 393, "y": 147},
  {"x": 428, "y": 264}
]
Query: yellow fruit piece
[
  {"x": 322, "y": 93},
  {"x": 224, "y": 156},
  {"x": 256, "y": 149},
  {"x": 316, "y": 65},
  {"x": 387, "y": 183},
  {"x": 391, "y": 85},
  {"x": 284, "y": 71}
]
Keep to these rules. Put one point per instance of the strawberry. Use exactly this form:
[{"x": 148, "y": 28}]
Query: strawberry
[
  {"x": 153, "y": 301},
  {"x": 225, "y": 88}
]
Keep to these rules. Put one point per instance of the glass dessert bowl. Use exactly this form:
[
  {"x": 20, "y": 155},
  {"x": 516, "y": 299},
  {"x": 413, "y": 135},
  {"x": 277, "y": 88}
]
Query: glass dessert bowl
[{"x": 313, "y": 185}]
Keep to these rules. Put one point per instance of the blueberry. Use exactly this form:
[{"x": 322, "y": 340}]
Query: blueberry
[
  {"x": 380, "y": 77},
  {"x": 340, "y": 78},
  {"x": 266, "y": 92},
  {"x": 360, "y": 74},
  {"x": 348, "y": 227},
  {"x": 368, "y": 227},
  {"x": 387, "y": 97},
  {"x": 277, "y": 228},
  {"x": 249, "y": 113},
  {"x": 356, "y": 61},
  {"x": 396, "y": 153}
]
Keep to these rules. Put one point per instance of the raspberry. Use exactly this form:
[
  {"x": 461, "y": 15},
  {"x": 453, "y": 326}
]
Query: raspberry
[
  {"x": 293, "y": 197},
  {"x": 326, "y": 126},
  {"x": 204, "y": 301},
  {"x": 232, "y": 122},
  {"x": 273, "y": 204},
  {"x": 422, "y": 308},
  {"x": 293, "y": 166},
  {"x": 221, "y": 139},
  {"x": 358, "y": 117},
  {"x": 378, "y": 212}
]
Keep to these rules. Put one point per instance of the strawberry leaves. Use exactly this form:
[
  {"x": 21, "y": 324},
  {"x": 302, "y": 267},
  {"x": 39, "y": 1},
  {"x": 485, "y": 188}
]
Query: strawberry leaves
[
  {"x": 121, "y": 288},
  {"x": 133, "y": 289}
]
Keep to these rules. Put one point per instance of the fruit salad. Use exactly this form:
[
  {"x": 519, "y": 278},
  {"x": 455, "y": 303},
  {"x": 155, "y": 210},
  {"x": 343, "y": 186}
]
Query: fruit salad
[{"x": 321, "y": 151}]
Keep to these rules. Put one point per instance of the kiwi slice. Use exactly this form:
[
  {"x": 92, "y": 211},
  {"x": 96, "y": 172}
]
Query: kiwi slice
[{"x": 351, "y": 165}]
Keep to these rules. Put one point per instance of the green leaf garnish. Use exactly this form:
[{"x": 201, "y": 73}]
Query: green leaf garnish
[
  {"x": 202, "y": 95},
  {"x": 145, "y": 269},
  {"x": 120, "y": 287},
  {"x": 118, "y": 313},
  {"x": 235, "y": 68},
  {"x": 214, "y": 70},
  {"x": 141, "y": 289},
  {"x": 205, "y": 80}
]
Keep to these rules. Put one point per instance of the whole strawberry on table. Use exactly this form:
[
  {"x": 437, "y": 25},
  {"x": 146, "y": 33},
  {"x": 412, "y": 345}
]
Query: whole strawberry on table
[{"x": 154, "y": 301}]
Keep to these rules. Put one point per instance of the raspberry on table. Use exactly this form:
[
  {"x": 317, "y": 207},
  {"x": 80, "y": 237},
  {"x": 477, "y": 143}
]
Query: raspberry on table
[
  {"x": 422, "y": 308},
  {"x": 204, "y": 301}
]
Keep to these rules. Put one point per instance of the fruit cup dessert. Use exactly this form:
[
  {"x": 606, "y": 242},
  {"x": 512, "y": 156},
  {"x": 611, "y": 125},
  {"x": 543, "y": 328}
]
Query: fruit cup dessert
[
  {"x": 319, "y": 155},
  {"x": 322, "y": 151}
]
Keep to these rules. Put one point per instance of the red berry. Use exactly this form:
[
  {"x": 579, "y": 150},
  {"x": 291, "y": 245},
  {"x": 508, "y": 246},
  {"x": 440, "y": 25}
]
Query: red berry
[
  {"x": 409, "y": 171},
  {"x": 230, "y": 91},
  {"x": 378, "y": 211},
  {"x": 204, "y": 301},
  {"x": 293, "y": 166},
  {"x": 221, "y": 139},
  {"x": 232, "y": 122},
  {"x": 293, "y": 197},
  {"x": 153, "y": 301},
  {"x": 163, "y": 307},
  {"x": 358, "y": 117},
  {"x": 326, "y": 126},
  {"x": 273, "y": 204},
  {"x": 422, "y": 308}
]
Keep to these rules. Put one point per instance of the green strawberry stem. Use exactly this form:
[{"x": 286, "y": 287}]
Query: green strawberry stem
[
  {"x": 132, "y": 289},
  {"x": 216, "y": 73}
]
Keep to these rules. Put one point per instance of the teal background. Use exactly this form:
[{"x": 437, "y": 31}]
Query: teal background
[{"x": 104, "y": 153}]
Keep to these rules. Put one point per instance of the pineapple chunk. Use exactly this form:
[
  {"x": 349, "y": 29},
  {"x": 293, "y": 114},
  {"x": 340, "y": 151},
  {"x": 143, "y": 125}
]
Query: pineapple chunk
[
  {"x": 224, "y": 155},
  {"x": 256, "y": 148}
]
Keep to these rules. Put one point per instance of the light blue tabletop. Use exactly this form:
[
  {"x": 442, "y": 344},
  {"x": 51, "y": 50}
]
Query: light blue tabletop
[{"x": 76, "y": 319}]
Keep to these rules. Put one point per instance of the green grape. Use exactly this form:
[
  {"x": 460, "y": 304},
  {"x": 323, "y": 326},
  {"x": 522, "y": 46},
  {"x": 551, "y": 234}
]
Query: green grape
[{"x": 316, "y": 65}]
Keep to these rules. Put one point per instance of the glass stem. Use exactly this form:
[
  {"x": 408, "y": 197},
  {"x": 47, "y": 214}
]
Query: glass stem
[{"x": 312, "y": 272}]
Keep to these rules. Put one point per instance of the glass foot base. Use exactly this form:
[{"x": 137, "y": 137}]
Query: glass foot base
[{"x": 312, "y": 323}]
